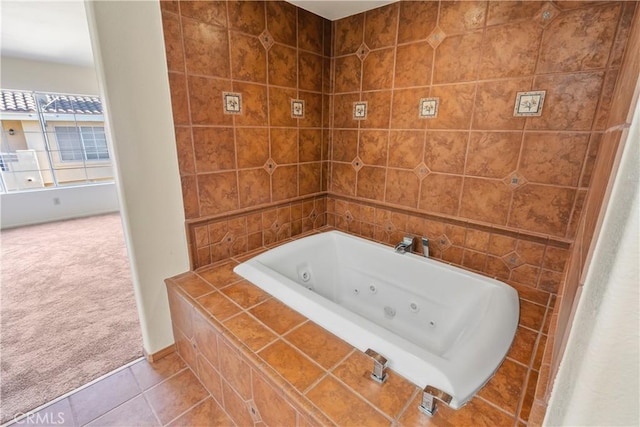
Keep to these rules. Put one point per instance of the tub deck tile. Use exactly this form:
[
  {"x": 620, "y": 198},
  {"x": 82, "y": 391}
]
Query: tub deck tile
[
  {"x": 221, "y": 275},
  {"x": 344, "y": 406},
  {"x": 300, "y": 371},
  {"x": 319, "y": 344},
  {"x": 277, "y": 316},
  {"x": 504, "y": 389},
  {"x": 476, "y": 413},
  {"x": 390, "y": 397},
  {"x": 194, "y": 285},
  {"x": 219, "y": 306},
  {"x": 523, "y": 345},
  {"x": 245, "y": 294},
  {"x": 251, "y": 332},
  {"x": 531, "y": 315},
  {"x": 326, "y": 380}
]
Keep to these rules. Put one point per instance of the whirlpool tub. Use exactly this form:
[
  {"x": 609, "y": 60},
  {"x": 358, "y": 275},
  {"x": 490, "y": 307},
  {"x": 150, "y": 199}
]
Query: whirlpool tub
[{"x": 437, "y": 325}]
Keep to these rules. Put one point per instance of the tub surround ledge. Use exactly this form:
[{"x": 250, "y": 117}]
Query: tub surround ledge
[{"x": 264, "y": 362}]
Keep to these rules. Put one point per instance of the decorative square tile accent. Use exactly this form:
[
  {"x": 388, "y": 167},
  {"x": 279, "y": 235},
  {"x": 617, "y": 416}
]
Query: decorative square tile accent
[
  {"x": 270, "y": 166},
  {"x": 232, "y": 102},
  {"x": 363, "y": 51},
  {"x": 514, "y": 180},
  {"x": 266, "y": 39},
  {"x": 313, "y": 215},
  {"x": 529, "y": 104},
  {"x": 429, "y": 108},
  {"x": 357, "y": 163},
  {"x": 297, "y": 108},
  {"x": 513, "y": 260},
  {"x": 444, "y": 242},
  {"x": 389, "y": 227},
  {"x": 253, "y": 410},
  {"x": 547, "y": 13},
  {"x": 436, "y": 37},
  {"x": 421, "y": 170},
  {"x": 348, "y": 216},
  {"x": 360, "y": 110}
]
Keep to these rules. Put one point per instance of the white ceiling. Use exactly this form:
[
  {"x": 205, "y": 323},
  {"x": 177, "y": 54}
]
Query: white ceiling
[
  {"x": 57, "y": 31},
  {"x": 333, "y": 10},
  {"x": 52, "y": 31}
]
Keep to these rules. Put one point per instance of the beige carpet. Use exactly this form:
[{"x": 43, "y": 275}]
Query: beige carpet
[{"x": 67, "y": 309}]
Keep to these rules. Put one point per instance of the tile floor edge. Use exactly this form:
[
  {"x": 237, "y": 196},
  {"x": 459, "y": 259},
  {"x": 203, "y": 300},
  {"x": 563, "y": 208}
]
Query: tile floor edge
[{"x": 69, "y": 393}]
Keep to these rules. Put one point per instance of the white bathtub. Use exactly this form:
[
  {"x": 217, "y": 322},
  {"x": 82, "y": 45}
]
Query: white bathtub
[{"x": 437, "y": 325}]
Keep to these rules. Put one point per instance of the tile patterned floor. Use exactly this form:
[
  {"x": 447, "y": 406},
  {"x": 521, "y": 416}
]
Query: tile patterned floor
[{"x": 165, "y": 393}]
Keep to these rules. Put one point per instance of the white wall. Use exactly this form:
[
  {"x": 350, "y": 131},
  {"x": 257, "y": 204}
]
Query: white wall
[
  {"x": 25, "y": 74},
  {"x": 130, "y": 61},
  {"x": 598, "y": 382},
  {"x": 53, "y": 204}
]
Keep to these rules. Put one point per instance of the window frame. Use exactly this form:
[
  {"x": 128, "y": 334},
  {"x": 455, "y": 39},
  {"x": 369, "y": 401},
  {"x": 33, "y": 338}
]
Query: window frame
[{"x": 83, "y": 140}]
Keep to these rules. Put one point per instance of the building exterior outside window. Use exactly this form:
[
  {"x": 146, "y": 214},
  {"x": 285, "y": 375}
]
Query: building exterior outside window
[{"x": 51, "y": 140}]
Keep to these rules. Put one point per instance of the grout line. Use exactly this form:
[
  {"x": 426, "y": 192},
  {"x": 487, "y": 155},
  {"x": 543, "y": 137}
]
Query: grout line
[
  {"x": 192, "y": 407},
  {"x": 311, "y": 386},
  {"x": 363, "y": 398},
  {"x": 407, "y": 405},
  {"x": 153, "y": 411},
  {"x": 517, "y": 362},
  {"x": 141, "y": 395},
  {"x": 496, "y": 406},
  {"x": 72, "y": 392},
  {"x": 456, "y": 83},
  {"x": 392, "y": 90},
  {"x": 190, "y": 121},
  {"x": 523, "y": 392}
]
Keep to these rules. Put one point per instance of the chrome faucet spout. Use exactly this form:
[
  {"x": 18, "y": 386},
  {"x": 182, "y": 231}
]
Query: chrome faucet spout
[
  {"x": 425, "y": 247},
  {"x": 406, "y": 245}
]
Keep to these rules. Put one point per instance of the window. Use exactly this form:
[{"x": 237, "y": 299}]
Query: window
[
  {"x": 81, "y": 143},
  {"x": 51, "y": 140}
]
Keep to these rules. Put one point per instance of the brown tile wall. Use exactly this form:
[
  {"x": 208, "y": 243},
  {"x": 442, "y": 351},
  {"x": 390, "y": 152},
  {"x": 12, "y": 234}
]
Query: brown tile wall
[
  {"x": 257, "y": 178},
  {"x": 218, "y": 239},
  {"x": 263, "y": 362},
  {"x": 474, "y": 56},
  {"x": 270, "y": 53},
  {"x": 526, "y": 262},
  {"x": 627, "y": 91},
  {"x": 455, "y": 172}
]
